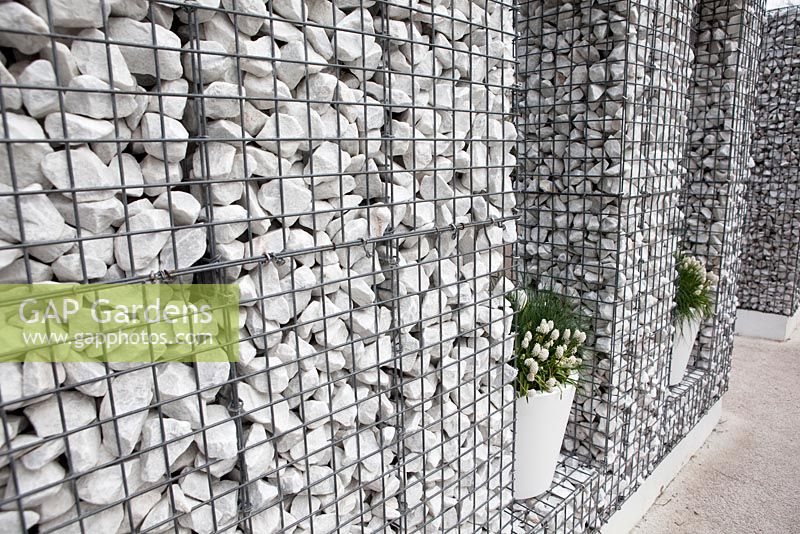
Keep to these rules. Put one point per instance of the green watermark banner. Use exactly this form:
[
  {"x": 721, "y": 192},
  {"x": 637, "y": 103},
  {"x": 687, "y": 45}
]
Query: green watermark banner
[{"x": 119, "y": 322}]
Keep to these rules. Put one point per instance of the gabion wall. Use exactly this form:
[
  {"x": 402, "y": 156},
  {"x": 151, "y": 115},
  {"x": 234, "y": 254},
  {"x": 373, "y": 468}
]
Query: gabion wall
[
  {"x": 603, "y": 116},
  {"x": 346, "y": 164},
  {"x": 769, "y": 272},
  {"x": 723, "y": 99}
]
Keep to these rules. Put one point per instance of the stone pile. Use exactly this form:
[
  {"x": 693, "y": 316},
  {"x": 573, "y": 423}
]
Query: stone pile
[
  {"x": 768, "y": 280},
  {"x": 348, "y": 165},
  {"x": 721, "y": 121},
  {"x": 603, "y": 114}
]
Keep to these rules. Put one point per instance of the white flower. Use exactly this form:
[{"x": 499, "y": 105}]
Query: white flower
[
  {"x": 534, "y": 367},
  {"x": 543, "y": 354},
  {"x": 543, "y": 327},
  {"x": 567, "y": 334},
  {"x": 550, "y": 384},
  {"x": 580, "y": 336},
  {"x": 554, "y": 334},
  {"x": 525, "y": 342},
  {"x": 548, "y": 344},
  {"x": 560, "y": 351},
  {"x": 528, "y": 335},
  {"x": 550, "y": 325},
  {"x": 530, "y": 362},
  {"x": 536, "y": 349},
  {"x": 531, "y": 377}
]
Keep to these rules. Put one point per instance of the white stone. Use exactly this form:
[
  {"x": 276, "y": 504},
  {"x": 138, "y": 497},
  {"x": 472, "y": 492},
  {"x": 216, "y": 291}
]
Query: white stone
[
  {"x": 145, "y": 243},
  {"x": 79, "y": 169},
  {"x": 173, "y": 148},
  {"x": 259, "y": 453},
  {"x": 215, "y": 162},
  {"x": 91, "y": 57},
  {"x": 190, "y": 244},
  {"x": 10, "y": 521},
  {"x": 70, "y": 268},
  {"x": 209, "y": 58},
  {"x": 219, "y": 438},
  {"x": 32, "y": 28},
  {"x": 12, "y": 97},
  {"x": 287, "y": 199},
  {"x": 34, "y": 481},
  {"x": 132, "y": 391},
  {"x": 40, "y": 219},
  {"x": 281, "y": 135},
  {"x": 26, "y": 156},
  {"x": 350, "y": 39},
  {"x": 64, "y": 13},
  {"x": 156, "y": 173},
  {"x": 94, "y": 216},
  {"x": 130, "y": 174},
  {"x": 258, "y": 55},
  {"x": 39, "y": 102},
  {"x": 156, "y": 462},
  {"x": 94, "y": 99},
  {"x": 292, "y": 68},
  {"x": 172, "y": 106},
  {"x": 141, "y": 59},
  {"x": 80, "y": 129},
  {"x": 184, "y": 207},
  {"x": 222, "y": 100},
  {"x": 225, "y": 233}
]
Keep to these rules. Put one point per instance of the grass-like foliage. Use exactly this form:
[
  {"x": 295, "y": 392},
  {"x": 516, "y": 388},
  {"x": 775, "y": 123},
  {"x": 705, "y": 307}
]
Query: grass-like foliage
[
  {"x": 550, "y": 334},
  {"x": 693, "y": 294}
]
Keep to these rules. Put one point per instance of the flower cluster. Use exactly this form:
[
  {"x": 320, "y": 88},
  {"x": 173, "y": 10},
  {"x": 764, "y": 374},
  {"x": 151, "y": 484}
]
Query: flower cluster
[
  {"x": 694, "y": 288},
  {"x": 547, "y": 357}
]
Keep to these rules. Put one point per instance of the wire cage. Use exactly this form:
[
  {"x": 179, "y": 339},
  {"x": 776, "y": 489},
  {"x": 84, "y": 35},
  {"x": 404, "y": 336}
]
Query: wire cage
[
  {"x": 571, "y": 504},
  {"x": 723, "y": 99},
  {"x": 602, "y": 120},
  {"x": 347, "y": 165},
  {"x": 769, "y": 273}
]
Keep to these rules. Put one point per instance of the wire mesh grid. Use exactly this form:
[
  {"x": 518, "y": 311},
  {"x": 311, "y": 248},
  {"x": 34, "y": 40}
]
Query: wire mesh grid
[
  {"x": 769, "y": 275},
  {"x": 348, "y": 166},
  {"x": 686, "y": 404},
  {"x": 602, "y": 117},
  {"x": 570, "y": 505},
  {"x": 721, "y": 121}
]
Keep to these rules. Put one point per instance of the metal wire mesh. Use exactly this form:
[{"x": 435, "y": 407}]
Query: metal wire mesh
[
  {"x": 769, "y": 274},
  {"x": 603, "y": 119},
  {"x": 569, "y": 506},
  {"x": 348, "y": 166},
  {"x": 723, "y": 100}
]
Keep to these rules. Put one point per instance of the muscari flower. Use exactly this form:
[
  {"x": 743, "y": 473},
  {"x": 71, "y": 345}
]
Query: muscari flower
[
  {"x": 554, "y": 334},
  {"x": 550, "y": 384}
]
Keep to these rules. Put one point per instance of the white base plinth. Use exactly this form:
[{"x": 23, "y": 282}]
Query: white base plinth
[
  {"x": 766, "y": 325},
  {"x": 634, "y": 508}
]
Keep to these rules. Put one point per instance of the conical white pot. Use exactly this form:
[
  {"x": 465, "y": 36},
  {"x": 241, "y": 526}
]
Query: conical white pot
[
  {"x": 685, "y": 335},
  {"x": 541, "y": 422}
]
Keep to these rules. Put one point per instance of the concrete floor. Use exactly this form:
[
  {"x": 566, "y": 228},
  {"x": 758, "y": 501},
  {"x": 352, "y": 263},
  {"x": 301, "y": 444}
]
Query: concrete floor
[{"x": 746, "y": 477}]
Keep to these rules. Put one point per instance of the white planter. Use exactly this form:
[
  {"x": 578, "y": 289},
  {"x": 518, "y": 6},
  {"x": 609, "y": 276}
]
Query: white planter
[
  {"x": 685, "y": 335},
  {"x": 541, "y": 422}
]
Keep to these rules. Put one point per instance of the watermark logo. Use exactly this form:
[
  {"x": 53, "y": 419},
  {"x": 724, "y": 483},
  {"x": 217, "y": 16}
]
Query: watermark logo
[{"x": 119, "y": 322}]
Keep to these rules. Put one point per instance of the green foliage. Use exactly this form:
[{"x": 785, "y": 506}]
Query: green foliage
[
  {"x": 550, "y": 334},
  {"x": 694, "y": 289}
]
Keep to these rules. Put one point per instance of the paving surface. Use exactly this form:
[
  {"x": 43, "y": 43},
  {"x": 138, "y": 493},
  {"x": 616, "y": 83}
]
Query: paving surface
[{"x": 746, "y": 477}]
